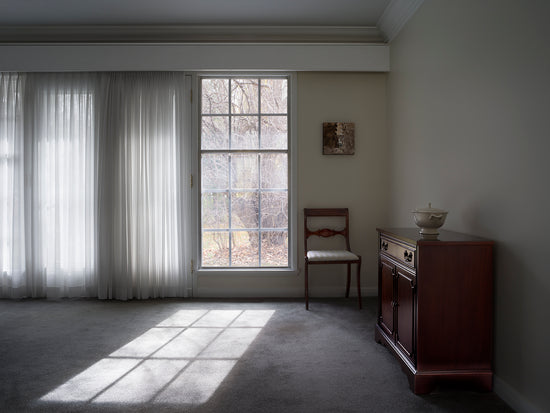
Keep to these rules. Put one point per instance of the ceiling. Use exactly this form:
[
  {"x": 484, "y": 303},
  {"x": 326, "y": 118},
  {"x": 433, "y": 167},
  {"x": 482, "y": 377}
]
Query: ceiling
[
  {"x": 193, "y": 12},
  {"x": 56, "y": 20}
]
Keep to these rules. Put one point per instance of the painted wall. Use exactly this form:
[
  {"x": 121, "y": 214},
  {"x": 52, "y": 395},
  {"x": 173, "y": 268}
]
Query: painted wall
[
  {"x": 469, "y": 95},
  {"x": 357, "y": 182}
]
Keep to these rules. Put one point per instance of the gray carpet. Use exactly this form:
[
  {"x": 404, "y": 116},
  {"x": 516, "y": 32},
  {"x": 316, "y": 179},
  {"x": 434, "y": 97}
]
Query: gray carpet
[{"x": 254, "y": 356}]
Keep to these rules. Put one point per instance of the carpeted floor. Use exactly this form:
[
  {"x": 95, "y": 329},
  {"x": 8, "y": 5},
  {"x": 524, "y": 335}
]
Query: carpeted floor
[{"x": 207, "y": 356}]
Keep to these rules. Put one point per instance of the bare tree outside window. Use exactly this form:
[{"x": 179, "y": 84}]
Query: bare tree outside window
[{"x": 244, "y": 171}]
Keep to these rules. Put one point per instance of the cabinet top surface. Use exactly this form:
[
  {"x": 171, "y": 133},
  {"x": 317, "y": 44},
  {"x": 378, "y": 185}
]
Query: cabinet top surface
[{"x": 412, "y": 235}]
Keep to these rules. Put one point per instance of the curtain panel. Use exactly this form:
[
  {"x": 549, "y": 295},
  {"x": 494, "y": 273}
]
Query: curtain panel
[{"x": 92, "y": 201}]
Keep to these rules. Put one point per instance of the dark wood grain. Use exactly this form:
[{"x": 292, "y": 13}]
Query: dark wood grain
[
  {"x": 386, "y": 293},
  {"x": 442, "y": 305},
  {"x": 405, "y": 313}
]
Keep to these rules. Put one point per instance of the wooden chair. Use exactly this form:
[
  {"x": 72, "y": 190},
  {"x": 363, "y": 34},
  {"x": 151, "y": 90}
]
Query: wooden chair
[{"x": 328, "y": 256}]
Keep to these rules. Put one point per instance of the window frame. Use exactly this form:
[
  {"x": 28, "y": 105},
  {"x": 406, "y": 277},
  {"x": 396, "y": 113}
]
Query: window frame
[{"x": 196, "y": 265}]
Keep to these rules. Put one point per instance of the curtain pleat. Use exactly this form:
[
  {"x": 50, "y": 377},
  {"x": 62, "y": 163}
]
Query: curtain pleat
[
  {"x": 143, "y": 199},
  {"x": 94, "y": 161},
  {"x": 13, "y": 281},
  {"x": 60, "y": 210}
]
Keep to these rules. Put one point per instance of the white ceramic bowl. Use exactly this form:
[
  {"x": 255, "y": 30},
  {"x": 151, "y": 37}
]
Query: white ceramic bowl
[{"x": 429, "y": 220}]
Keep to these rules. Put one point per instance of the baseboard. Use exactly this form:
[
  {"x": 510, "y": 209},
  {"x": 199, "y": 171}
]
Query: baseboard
[
  {"x": 514, "y": 399},
  {"x": 369, "y": 292},
  {"x": 239, "y": 292}
]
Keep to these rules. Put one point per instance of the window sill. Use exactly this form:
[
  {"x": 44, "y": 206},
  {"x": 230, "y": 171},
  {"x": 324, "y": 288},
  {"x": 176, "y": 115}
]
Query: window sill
[{"x": 245, "y": 272}]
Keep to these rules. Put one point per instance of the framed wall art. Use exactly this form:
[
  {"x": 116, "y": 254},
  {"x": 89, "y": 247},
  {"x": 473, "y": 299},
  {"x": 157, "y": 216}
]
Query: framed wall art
[{"x": 338, "y": 138}]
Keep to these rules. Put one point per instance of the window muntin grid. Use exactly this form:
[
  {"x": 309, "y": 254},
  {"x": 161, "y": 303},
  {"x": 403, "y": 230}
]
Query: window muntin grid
[{"x": 244, "y": 157}]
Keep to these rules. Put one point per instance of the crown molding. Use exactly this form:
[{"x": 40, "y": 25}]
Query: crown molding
[
  {"x": 92, "y": 57},
  {"x": 187, "y": 34},
  {"x": 395, "y": 16}
]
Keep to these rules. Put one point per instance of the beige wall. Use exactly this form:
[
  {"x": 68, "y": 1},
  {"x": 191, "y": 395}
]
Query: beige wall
[
  {"x": 356, "y": 182},
  {"x": 469, "y": 127}
]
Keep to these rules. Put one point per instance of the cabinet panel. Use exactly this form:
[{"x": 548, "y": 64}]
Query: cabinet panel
[
  {"x": 405, "y": 294},
  {"x": 386, "y": 296},
  {"x": 435, "y": 311},
  {"x": 458, "y": 308}
]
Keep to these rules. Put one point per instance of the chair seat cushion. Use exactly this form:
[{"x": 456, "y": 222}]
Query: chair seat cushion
[{"x": 331, "y": 255}]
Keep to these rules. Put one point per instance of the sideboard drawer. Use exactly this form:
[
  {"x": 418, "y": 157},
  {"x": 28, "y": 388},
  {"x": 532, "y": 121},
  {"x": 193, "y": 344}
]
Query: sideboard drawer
[{"x": 403, "y": 253}]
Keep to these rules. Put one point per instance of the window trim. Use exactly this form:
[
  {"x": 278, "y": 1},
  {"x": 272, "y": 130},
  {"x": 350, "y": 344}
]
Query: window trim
[{"x": 292, "y": 269}]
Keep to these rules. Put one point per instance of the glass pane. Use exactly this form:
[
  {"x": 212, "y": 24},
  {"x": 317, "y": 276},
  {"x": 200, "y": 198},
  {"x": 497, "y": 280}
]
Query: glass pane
[
  {"x": 245, "y": 249},
  {"x": 274, "y": 95},
  {"x": 244, "y": 115},
  {"x": 274, "y": 170},
  {"x": 215, "y": 210},
  {"x": 244, "y": 171},
  {"x": 244, "y": 132},
  {"x": 215, "y": 249},
  {"x": 215, "y": 171},
  {"x": 274, "y": 132},
  {"x": 275, "y": 249},
  {"x": 274, "y": 210},
  {"x": 215, "y": 132},
  {"x": 215, "y": 96},
  {"x": 244, "y": 96},
  {"x": 244, "y": 209}
]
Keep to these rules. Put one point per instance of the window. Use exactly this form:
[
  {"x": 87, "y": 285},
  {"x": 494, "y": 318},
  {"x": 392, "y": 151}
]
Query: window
[{"x": 244, "y": 171}]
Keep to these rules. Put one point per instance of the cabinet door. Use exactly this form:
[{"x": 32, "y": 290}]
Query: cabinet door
[
  {"x": 386, "y": 276},
  {"x": 406, "y": 299}
]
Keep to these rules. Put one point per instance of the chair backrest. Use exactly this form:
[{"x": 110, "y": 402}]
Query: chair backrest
[{"x": 326, "y": 232}]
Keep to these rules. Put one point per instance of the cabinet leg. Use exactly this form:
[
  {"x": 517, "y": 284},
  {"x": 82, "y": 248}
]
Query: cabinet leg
[
  {"x": 348, "y": 281},
  {"x": 426, "y": 383},
  {"x": 306, "y": 286},
  {"x": 359, "y": 284},
  {"x": 421, "y": 384},
  {"x": 485, "y": 382}
]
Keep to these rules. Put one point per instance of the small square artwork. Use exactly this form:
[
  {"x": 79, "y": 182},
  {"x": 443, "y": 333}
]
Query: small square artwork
[{"x": 338, "y": 138}]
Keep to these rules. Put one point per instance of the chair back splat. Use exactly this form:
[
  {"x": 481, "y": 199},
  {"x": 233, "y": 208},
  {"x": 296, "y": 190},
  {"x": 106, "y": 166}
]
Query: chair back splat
[{"x": 330, "y": 256}]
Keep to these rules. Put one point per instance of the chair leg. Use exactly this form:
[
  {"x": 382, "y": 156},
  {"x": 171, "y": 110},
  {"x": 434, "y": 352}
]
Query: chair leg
[
  {"x": 348, "y": 281},
  {"x": 306, "y": 286},
  {"x": 359, "y": 284}
]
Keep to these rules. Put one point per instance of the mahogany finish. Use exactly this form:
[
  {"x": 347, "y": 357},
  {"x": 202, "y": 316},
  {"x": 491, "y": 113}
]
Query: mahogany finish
[
  {"x": 325, "y": 233},
  {"x": 436, "y": 306}
]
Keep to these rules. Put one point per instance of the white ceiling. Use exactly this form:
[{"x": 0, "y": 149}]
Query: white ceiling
[
  {"x": 165, "y": 21},
  {"x": 193, "y": 12}
]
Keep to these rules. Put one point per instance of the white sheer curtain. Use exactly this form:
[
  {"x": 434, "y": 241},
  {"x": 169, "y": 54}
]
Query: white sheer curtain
[
  {"x": 141, "y": 209},
  {"x": 12, "y": 231},
  {"x": 91, "y": 198},
  {"x": 61, "y": 191}
]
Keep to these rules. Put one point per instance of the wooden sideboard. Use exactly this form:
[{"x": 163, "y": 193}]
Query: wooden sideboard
[{"x": 435, "y": 306}]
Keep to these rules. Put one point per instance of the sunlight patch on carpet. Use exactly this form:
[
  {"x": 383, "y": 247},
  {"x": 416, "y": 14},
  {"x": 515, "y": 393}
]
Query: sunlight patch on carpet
[{"x": 182, "y": 360}]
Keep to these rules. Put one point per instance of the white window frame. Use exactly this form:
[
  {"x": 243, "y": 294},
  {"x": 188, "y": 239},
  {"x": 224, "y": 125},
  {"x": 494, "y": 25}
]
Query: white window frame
[{"x": 292, "y": 269}]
